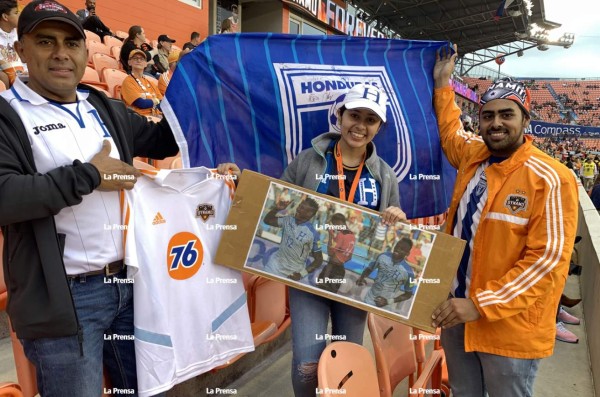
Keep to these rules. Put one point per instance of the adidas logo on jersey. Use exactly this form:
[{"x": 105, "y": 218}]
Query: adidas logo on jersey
[{"x": 158, "y": 219}]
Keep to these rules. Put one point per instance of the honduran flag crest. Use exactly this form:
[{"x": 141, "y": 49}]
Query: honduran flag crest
[{"x": 257, "y": 99}]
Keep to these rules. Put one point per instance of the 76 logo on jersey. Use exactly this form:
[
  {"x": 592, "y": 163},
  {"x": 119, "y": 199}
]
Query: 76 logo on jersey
[{"x": 184, "y": 255}]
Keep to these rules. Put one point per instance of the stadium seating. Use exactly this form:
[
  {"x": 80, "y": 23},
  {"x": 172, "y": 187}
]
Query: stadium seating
[
  {"x": 113, "y": 78},
  {"x": 262, "y": 331},
  {"x": 422, "y": 358},
  {"x": 110, "y": 41},
  {"x": 395, "y": 356},
  {"x": 101, "y": 61},
  {"x": 120, "y": 34},
  {"x": 582, "y": 96},
  {"x": 115, "y": 51},
  {"x": 117, "y": 92},
  {"x": 91, "y": 36},
  {"x": 267, "y": 302},
  {"x": 142, "y": 164},
  {"x": 164, "y": 163},
  {"x": 90, "y": 77},
  {"x": 8, "y": 389},
  {"x": 177, "y": 163},
  {"x": 95, "y": 48},
  {"x": 349, "y": 367}
]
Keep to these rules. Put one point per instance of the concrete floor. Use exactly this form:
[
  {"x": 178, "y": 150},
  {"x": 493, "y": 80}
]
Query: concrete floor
[{"x": 565, "y": 374}]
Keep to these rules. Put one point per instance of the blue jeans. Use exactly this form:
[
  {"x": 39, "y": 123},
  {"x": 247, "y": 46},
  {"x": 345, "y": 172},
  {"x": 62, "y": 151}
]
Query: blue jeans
[
  {"x": 475, "y": 373},
  {"x": 64, "y": 368},
  {"x": 310, "y": 317}
]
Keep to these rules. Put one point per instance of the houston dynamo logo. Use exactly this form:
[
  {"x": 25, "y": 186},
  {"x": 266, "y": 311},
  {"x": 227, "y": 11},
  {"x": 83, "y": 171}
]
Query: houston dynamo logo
[{"x": 312, "y": 94}]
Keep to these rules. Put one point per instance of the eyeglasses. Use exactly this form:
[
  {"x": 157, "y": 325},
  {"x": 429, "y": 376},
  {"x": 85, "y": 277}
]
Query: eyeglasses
[{"x": 138, "y": 59}]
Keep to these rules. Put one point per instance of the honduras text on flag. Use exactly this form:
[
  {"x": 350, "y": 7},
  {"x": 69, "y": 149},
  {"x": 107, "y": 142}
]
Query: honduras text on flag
[{"x": 258, "y": 99}]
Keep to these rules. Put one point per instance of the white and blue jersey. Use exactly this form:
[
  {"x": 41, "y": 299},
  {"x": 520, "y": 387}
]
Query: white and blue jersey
[
  {"x": 298, "y": 241},
  {"x": 392, "y": 279},
  {"x": 60, "y": 133},
  {"x": 466, "y": 223},
  {"x": 368, "y": 191}
]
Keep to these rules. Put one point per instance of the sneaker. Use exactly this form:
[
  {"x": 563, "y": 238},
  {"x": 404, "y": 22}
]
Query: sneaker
[
  {"x": 564, "y": 335},
  {"x": 567, "y": 318}
]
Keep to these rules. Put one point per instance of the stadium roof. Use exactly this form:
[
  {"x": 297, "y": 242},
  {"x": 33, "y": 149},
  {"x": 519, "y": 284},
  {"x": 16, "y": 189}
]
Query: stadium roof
[{"x": 472, "y": 24}]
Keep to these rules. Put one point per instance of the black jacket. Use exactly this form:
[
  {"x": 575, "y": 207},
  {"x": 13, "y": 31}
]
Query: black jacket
[{"x": 39, "y": 299}]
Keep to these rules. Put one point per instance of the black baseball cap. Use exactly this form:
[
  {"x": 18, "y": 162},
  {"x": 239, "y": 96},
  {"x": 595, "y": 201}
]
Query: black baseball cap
[
  {"x": 46, "y": 10},
  {"x": 164, "y": 37}
]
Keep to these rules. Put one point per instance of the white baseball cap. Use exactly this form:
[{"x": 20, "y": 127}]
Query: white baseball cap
[{"x": 367, "y": 96}]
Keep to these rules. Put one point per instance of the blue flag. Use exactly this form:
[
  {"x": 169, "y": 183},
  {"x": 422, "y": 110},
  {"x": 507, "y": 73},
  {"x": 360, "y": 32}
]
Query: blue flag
[{"x": 258, "y": 100}]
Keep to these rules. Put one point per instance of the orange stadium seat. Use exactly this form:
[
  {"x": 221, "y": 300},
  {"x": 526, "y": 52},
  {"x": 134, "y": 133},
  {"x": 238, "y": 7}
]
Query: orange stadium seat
[
  {"x": 90, "y": 77},
  {"x": 177, "y": 163},
  {"x": 115, "y": 51},
  {"x": 91, "y": 36},
  {"x": 262, "y": 331},
  {"x": 347, "y": 366},
  {"x": 117, "y": 92},
  {"x": 395, "y": 357},
  {"x": 8, "y": 389},
  {"x": 110, "y": 41},
  {"x": 120, "y": 34},
  {"x": 113, "y": 78},
  {"x": 95, "y": 48},
  {"x": 103, "y": 90},
  {"x": 164, "y": 163},
  {"x": 101, "y": 61},
  {"x": 267, "y": 301},
  {"x": 422, "y": 358},
  {"x": 141, "y": 164}
]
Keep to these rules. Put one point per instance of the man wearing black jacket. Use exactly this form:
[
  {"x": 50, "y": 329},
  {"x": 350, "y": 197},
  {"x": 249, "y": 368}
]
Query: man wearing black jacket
[
  {"x": 91, "y": 21},
  {"x": 65, "y": 153}
]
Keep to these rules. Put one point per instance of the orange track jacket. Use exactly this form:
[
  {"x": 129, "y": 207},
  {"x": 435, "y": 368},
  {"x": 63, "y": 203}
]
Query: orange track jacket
[{"x": 521, "y": 251}]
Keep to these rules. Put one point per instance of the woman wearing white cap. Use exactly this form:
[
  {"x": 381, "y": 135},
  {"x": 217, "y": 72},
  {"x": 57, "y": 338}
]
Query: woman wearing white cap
[{"x": 367, "y": 181}]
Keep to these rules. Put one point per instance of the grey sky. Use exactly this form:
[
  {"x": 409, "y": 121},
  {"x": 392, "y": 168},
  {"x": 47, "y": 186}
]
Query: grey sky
[{"x": 581, "y": 17}]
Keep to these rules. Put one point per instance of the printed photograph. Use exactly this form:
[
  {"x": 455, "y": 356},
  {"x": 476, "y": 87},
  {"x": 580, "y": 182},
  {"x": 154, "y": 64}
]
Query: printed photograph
[{"x": 332, "y": 247}]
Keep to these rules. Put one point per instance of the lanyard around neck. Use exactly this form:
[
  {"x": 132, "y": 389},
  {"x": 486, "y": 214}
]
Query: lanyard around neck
[
  {"x": 340, "y": 169},
  {"x": 142, "y": 86}
]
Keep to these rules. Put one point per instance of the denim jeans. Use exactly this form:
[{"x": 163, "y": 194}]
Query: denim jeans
[
  {"x": 64, "y": 368},
  {"x": 310, "y": 316},
  {"x": 475, "y": 373}
]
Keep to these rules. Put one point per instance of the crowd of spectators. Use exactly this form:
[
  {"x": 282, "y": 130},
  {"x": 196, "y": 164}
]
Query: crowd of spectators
[
  {"x": 579, "y": 100},
  {"x": 142, "y": 90}
]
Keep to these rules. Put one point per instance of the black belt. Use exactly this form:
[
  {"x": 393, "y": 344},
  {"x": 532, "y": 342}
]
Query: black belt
[{"x": 109, "y": 270}]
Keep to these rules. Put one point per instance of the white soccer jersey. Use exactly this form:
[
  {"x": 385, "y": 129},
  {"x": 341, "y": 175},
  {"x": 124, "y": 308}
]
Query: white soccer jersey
[
  {"x": 297, "y": 242},
  {"x": 190, "y": 315},
  {"x": 59, "y": 134},
  {"x": 390, "y": 278}
]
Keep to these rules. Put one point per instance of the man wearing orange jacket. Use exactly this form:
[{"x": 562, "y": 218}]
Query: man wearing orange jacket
[{"x": 517, "y": 209}]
